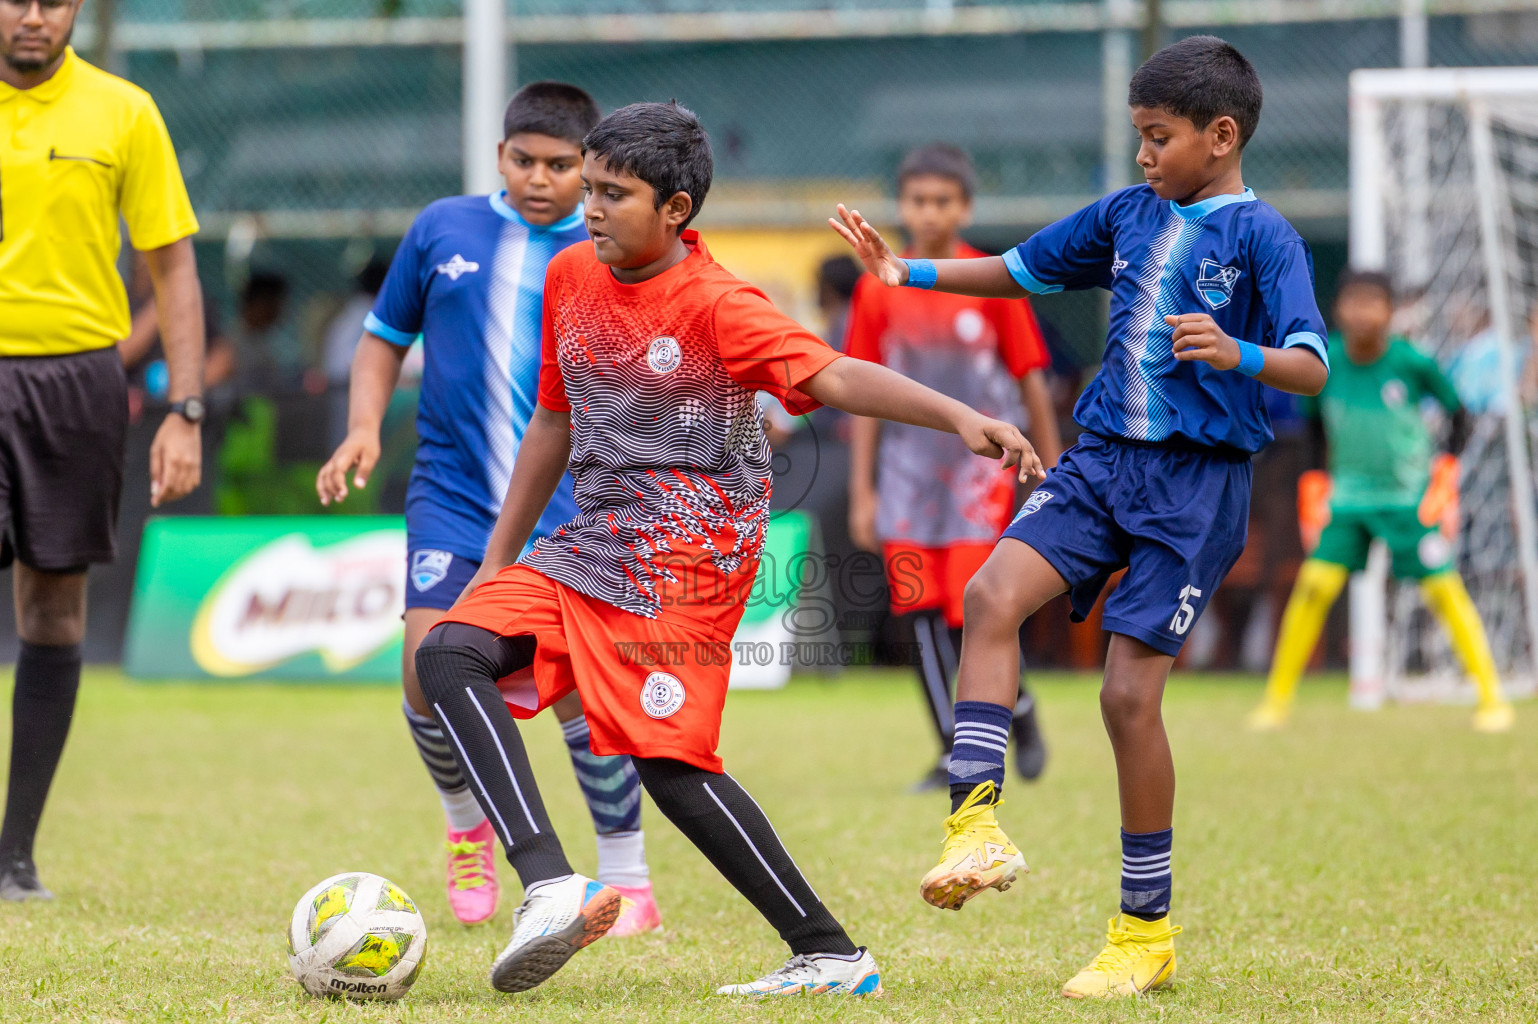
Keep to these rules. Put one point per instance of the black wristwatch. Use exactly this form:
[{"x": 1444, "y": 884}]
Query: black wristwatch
[{"x": 190, "y": 409}]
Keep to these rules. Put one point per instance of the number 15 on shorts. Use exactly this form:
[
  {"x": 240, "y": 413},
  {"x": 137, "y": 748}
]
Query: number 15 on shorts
[{"x": 1185, "y": 614}]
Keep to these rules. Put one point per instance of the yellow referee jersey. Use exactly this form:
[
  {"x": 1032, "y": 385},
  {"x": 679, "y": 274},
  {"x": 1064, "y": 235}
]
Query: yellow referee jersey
[{"x": 74, "y": 153}]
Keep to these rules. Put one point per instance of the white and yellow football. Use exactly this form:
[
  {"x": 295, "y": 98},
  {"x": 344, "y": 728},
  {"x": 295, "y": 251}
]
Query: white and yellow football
[{"x": 357, "y": 936}]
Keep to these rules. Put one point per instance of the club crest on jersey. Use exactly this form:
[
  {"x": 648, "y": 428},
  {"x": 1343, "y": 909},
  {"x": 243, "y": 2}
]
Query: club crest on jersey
[
  {"x": 662, "y": 695},
  {"x": 457, "y": 267},
  {"x": 1216, "y": 283},
  {"x": 1032, "y": 504},
  {"x": 428, "y": 567},
  {"x": 664, "y": 354}
]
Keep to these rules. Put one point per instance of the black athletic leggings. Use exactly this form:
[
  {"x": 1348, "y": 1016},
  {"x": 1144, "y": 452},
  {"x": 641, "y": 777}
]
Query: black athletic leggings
[{"x": 459, "y": 665}]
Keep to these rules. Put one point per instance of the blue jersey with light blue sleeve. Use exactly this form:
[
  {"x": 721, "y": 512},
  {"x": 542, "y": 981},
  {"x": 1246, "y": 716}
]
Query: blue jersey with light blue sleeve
[
  {"x": 1230, "y": 256},
  {"x": 469, "y": 277}
]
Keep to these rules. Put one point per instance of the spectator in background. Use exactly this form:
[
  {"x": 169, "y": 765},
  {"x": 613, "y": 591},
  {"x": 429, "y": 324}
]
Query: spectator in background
[
  {"x": 143, "y": 353},
  {"x": 341, "y": 340},
  {"x": 836, "y": 278},
  {"x": 264, "y": 360}
]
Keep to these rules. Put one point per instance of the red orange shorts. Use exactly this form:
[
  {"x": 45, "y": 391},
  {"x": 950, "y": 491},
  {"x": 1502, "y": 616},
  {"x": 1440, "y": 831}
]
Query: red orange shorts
[
  {"x": 649, "y": 687},
  {"x": 920, "y": 578}
]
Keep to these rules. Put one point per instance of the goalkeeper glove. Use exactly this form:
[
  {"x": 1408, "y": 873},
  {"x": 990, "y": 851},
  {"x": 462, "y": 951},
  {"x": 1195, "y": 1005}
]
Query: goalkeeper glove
[
  {"x": 1439, "y": 505},
  {"x": 1313, "y": 507}
]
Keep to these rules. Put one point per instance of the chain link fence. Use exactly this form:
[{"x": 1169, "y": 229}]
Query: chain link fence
[{"x": 300, "y": 143}]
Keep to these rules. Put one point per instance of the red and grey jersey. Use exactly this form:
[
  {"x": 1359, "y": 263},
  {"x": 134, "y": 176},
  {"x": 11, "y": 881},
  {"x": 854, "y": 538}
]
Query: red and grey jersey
[
  {"x": 932, "y": 491},
  {"x": 668, "y": 455}
]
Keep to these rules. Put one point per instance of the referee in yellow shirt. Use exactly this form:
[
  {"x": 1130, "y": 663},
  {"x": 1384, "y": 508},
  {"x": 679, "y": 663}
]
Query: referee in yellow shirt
[{"x": 78, "y": 148}]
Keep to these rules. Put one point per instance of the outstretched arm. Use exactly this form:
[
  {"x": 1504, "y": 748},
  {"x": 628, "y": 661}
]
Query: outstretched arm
[
  {"x": 1198, "y": 338},
  {"x": 870, "y": 389},
  {"x": 986, "y": 277}
]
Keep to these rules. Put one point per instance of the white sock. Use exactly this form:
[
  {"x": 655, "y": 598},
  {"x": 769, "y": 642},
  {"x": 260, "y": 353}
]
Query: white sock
[
  {"x": 461, "y": 810},
  {"x": 622, "y": 859}
]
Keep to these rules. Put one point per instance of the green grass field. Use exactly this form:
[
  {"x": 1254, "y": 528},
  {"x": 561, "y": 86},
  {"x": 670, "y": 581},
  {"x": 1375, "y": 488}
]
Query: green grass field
[{"x": 1359, "y": 867}]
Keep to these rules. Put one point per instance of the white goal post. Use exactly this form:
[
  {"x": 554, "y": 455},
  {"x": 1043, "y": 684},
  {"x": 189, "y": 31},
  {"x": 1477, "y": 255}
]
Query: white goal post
[{"x": 1444, "y": 197}]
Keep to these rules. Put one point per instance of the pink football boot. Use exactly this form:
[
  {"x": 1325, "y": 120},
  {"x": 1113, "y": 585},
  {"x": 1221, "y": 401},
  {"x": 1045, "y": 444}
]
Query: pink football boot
[
  {"x": 638, "y": 912},
  {"x": 472, "y": 874}
]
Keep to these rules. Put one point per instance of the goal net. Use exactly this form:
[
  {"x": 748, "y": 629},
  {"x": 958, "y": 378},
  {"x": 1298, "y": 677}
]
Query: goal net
[{"x": 1444, "y": 197}]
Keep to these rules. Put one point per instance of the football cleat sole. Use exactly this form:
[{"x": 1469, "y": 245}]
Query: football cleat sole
[
  {"x": 952, "y": 890},
  {"x": 535, "y": 961}
]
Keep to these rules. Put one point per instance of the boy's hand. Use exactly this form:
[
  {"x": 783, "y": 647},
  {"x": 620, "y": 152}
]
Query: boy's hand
[
  {"x": 995, "y": 438},
  {"x": 868, "y": 244},
  {"x": 356, "y": 455},
  {"x": 1198, "y": 337}
]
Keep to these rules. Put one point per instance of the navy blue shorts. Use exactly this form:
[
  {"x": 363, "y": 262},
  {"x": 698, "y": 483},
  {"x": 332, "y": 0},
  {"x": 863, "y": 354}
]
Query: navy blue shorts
[
  {"x": 1176, "y": 519},
  {"x": 436, "y": 578}
]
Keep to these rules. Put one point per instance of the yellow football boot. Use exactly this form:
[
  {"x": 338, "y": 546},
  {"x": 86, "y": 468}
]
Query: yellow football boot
[
  {"x": 1268, "y": 717},
  {"x": 1139, "y": 956},
  {"x": 1496, "y": 717},
  {"x": 977, "y": 854}
]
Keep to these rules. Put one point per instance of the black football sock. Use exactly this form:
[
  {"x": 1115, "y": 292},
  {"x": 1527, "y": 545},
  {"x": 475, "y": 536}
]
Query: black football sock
[
  {"x": 934, "y": 660},
  {"x": 719, "y": 817},
  {"x": 458, "y": 666},
  {"x": 47, "y": 682}
]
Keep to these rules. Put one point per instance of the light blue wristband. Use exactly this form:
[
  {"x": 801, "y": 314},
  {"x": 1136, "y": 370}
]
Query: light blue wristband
[
  {"x": 921, "y": 273},
  {"x": 1251, "y": 359}
]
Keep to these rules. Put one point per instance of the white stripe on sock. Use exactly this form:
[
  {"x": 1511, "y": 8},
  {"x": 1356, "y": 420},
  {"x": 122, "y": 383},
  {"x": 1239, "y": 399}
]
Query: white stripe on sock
[
  {"x": 1146, "y": 874},
  {"x": 996, "y": 735},
  {"x": 963, "y": 741},
  {"x": 1126, "y": 859},
  {"x": 777, "y": 839},
  {"x": 741, "y": 832},
  {"x": 507, "y": 837},
  {"x": 470, "y": 694}
]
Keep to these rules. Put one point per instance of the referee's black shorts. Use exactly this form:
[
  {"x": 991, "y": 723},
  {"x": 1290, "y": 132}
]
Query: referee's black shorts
[{"x": 63, "y": 425}]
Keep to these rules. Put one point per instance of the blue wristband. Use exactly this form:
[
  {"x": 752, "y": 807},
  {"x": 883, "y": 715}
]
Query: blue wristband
[
  {"x": 1251, "y": 358},
  {"x": 921, "y": 273}
]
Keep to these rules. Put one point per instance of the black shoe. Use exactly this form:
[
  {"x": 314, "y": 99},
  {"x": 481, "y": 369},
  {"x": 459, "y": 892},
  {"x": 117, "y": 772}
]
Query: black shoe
[
  {"x": 939, "y": 777},
  {"x": 1030, "y": 749},
  {"x": 18, "y": 881}
]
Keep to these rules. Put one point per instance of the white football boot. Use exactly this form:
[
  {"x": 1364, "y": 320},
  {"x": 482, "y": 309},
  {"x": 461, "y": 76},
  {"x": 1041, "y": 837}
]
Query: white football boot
[
  {"x": 815, "y": 976},
  {"x": 555, "y": 920}
]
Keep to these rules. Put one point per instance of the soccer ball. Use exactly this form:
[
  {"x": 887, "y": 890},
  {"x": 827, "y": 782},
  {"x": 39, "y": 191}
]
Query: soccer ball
[{"x": 356, "y": 935}]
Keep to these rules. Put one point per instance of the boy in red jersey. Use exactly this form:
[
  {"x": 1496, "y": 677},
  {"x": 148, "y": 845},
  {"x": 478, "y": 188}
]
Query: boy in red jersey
[
  {"x": 937, "y": 509},
  {"x": 652, "y": 357}
]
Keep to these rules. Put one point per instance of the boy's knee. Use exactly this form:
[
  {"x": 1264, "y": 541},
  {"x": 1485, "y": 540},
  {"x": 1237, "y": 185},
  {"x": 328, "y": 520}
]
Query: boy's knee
[
  {"x": 1121, "y": 702},
  {"x": 451, "y": 655},
  {"x": 990, "y": 601}
]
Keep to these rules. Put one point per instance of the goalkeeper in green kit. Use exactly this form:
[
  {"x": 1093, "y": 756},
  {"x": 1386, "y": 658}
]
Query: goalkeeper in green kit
[{"x": 1385, "y": 482}]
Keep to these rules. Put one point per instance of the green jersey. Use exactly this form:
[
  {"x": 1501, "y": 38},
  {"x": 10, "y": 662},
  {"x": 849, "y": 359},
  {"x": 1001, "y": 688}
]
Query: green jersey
[{"x": 1380, "y": 449}]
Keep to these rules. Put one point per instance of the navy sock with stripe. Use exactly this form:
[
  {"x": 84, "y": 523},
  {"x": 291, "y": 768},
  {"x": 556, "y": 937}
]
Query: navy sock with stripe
[
  {"x": 609, "y": 783},
  {"x": 612, "y": 790},
  {"x": 982, "y": 741},
  {"x": 1145, "y": 873}
]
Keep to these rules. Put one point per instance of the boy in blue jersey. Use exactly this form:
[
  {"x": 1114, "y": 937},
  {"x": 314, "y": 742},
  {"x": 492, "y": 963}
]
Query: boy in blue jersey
[
  {"x": 469, "y": 278},
  {"x": 1211, "y": 297}
]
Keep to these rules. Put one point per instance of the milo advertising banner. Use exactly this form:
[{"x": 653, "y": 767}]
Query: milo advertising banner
[
  {"x": 320, "y": 598},
  {"x": 270, "y": 597}
]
